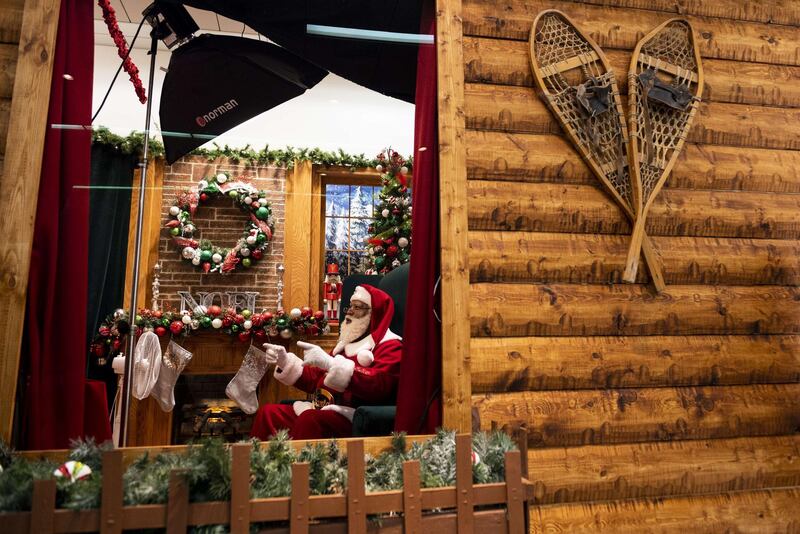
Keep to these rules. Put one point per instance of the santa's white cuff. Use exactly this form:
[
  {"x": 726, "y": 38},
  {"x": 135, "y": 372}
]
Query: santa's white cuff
[
  {"x": 345, "y": 411},
  {"x": 340, "y": 373},
  {"x": 301, "y": 406},
  {"x": 291, "y": 371}
]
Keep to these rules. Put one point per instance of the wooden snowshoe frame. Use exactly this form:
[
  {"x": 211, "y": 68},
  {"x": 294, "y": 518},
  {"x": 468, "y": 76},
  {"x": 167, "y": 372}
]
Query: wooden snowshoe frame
[
  {"x": 667, "y": 62},
  {"x": 575, "y": 81}
]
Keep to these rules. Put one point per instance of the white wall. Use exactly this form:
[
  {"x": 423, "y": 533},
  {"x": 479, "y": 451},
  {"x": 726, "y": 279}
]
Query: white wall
[{"x": 334, "y": 114}]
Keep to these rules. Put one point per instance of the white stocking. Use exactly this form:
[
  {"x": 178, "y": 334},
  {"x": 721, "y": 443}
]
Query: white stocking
[
  {"x": 172, "y": 364},
  {"x": 242, "y": 389}
]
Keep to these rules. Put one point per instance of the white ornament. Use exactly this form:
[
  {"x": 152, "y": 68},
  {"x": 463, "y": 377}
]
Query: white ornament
[
  {"x": 216, "y": 258},
  {"x": 248, "y": 200},
  {"x": 248, "y": 324},
  {"x": 186, "y": 319},
  {"x": 221, "y": 178},
  {"x": 244, "y": 251},
  {"x": 396, "y": 263},
  {"x": 262, "y": 201},
  {"x": 174, "y": 211},
  {"x": 188, "y": 229},
  {"x": 286, "y": 334},
  {"x": 403, "y": 169},
  {"x": 379, "y": 168},
  {"x": 196, "y": 260},
  {"x": 188, "y": 252},
  {"x": 295, "y": 313},
  {"x": 251, "y": 240},
  {"x": 202, "y": 184},
  {"x": 385, "y": 213},
  {"x": 195, "y": 324},
  {"x": 402, "y": 242},
  {"x": 217, "y": 323}
]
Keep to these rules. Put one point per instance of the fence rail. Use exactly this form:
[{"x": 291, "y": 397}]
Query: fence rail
[{"x": 450, "y": 509}]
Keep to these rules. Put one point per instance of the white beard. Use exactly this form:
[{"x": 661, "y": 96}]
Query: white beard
[{"x": 350, "y": 330}]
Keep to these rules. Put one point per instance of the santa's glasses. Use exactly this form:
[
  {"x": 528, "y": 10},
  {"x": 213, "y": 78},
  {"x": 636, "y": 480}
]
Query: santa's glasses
[{"x": 356, "y": 307}]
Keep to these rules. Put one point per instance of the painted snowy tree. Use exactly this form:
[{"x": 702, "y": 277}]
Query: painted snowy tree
[{"x": 390, "y": 231}]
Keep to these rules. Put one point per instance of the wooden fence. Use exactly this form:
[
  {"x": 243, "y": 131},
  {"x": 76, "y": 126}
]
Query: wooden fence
[{"x": 412, "y": 509}]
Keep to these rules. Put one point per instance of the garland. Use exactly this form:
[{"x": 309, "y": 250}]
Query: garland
[
  {"x": 122, "y": 48},
  {"x": 390, "y": 229},
  {"x": 255, "y": 237},
  {"x": 134, "y": 142},
  {"x": 245, "y": 325},
  {"x": 207, "y": 465}
]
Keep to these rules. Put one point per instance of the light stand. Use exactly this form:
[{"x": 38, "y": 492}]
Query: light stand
[{"x": 170, "y": 25}]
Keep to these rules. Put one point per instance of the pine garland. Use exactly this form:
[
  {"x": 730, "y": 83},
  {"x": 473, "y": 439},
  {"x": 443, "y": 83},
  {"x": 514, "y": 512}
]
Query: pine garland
[
  {"x": 286, "y": 157},
  {"x": 207, "y": 465}
]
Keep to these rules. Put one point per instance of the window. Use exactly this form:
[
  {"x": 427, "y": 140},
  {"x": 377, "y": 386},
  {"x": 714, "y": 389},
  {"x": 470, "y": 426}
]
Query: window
[{"x": 348, "y": 214}]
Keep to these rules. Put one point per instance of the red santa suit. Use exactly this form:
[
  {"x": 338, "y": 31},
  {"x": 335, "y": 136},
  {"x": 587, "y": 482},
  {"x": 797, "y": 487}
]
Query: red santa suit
[{"x": 364, "y": 372}]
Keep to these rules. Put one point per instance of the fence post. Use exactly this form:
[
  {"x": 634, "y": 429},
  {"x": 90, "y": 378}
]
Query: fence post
[
  {"x": 111, "y": 500},
  {"x": 177, "y": 503},
  {"x": 43, "y": 505},
  {"x": 299, "y": 506},
  {"x": 514, "y": 497},
  {"x": 356, "y": 492},
  {"x": 240, "y": 488},
  {"x": 412, "y": 501},
  {"x": 464, "y": 497}
]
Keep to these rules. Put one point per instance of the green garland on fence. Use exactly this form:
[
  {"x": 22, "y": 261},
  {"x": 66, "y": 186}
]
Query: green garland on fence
[
  {"x": 285, "y": 157},
  {"x": 208, "y": 467}
]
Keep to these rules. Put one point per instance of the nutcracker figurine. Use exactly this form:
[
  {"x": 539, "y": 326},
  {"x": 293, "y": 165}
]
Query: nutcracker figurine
[{"x": 333, "y": 292}]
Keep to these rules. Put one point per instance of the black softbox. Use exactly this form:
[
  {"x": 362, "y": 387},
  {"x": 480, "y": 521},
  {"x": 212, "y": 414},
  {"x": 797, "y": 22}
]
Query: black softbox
[
  {"x": 389, "y": 68},
  {"x": 216, "y": 82}
]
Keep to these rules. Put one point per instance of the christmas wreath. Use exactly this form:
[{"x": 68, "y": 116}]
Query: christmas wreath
[{"x": 255, "y": 237}]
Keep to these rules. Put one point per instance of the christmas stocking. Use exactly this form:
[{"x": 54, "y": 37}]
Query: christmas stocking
[
  {"x": 242, "y": 389},
  {"x": 172, "y": 365}
]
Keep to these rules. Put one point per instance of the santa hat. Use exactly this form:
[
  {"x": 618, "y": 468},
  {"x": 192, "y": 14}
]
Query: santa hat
[{"x": 380, "y": 316}]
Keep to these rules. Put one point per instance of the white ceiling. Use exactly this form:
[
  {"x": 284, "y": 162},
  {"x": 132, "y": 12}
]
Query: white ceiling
[{"x": 131, "y": 11}]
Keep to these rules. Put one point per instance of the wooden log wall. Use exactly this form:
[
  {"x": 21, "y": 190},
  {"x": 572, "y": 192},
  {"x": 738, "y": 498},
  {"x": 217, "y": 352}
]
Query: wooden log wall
[{"x": 629, "y": 394}]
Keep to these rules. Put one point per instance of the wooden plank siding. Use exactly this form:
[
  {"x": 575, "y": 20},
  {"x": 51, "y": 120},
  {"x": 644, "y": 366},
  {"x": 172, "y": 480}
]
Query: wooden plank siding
[{"x": 629, "y": 396}]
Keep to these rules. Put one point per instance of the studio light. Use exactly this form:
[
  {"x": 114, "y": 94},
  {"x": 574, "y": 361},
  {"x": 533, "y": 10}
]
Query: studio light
[{"x": 172, "y": 23}]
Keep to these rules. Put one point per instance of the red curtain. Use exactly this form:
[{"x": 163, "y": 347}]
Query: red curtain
[
  {"x": 419, "y": 393},
  {"x": 54, "y": 349}
]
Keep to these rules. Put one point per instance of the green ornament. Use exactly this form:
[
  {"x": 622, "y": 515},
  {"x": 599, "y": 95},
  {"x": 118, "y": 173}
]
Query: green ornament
[
  {"x": 175, "y": 231},
  {"x": 246, "y": 262},
  {"x": 233, "y": 194},
  {"x": 380, "y": 261},
  {"x": 262, "y": 213},
  {"x": 138, "y": 319},
  {"x": 281, "y": 323},
  {"x": 261, "y": 238},
  {"x": 206, "y": 255},
  {"x": 234, "y": 328},
  {"x": 205, "y": 321},
  {"x": 246, "y": 314},
  {"x": 165, "y": 322}
]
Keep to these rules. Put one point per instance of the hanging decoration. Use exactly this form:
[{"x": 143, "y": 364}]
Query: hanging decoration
[
  {"x": 204, "y": 254},
  {"x": 389, "y": 242},
  {"x": 245, "y": 325},
  {"x": 110, "y": 17}
]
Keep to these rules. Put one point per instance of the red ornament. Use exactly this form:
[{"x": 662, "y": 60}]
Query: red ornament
[
  {"x": 257, "y": 254},
  {"x": 105, "y": 331},
  {"x": 158, "y": 314},
  {"x": 226, "y": 322},
  {"x": 392, "y": 251},
  {"x": 176, "y": 327},
  {"x": 319, "y": 315},
  {"x": 313, "y": 330},
  {"x": 305, "y": 311},
  {"x": 260, "y": 335},
  {"x": 161, "y": 331},
  {"x": 244, "y": 337},
  {"x": 214, "y": 310},
  {"x": 266, "y": 316},
  {"x": 203, "y": 197},
  {"x": 395, "y": 211},
  {"x": 116, "y": 345},
  {"x": 239, "y": 318},
  {"x": 255, "y": 205},
  {"x": 99, "y": 350}
]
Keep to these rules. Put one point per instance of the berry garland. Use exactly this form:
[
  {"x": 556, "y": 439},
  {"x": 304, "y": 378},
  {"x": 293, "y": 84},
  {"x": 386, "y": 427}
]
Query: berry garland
[
  {"x": 390, "y": 230},
  {"x": 122, "y": 48},
  {"x": 255, "y": 237},
  {"x": 245, "y": 325}
]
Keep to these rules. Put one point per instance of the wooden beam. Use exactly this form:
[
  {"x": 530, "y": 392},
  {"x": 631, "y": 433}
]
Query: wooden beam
[
  {"x": 773, "y": 510},
  {"x": 596, "y": 362},
  {"x": 504, "y": 62},
  {"x": 5, "y": 118},
  {"x": 513, "y": 310},
  {"x": 11, "y": 20},
  {"x": 539, "y": 257},
  {"x": 18, "y": 196},
  {"x": 296, "y": 244},
  {"x": 518, "y": 109},
  {"x": 453, "y": 217},
  {"x": 550, "y": 158},
  {"x": 8, "y": 67},
  {"x": 545, "y": 207},
  {"x": 600, "y": 417},
  {"x": 661, "y": 469},
  {"x": 613, "y": 27}
]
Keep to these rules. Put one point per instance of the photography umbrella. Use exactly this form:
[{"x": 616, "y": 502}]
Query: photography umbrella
[
  {"x": 388, "y": 67},
  {"x": 216, "y": 82}
]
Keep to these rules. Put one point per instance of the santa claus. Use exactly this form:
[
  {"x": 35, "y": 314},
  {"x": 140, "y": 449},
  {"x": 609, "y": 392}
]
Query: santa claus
[{"x": 362, "y": 369}]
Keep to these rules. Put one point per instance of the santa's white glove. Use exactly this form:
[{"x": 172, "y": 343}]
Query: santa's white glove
[
  {"x": 288, "y": 367},
  {"x": 315, "y": 355},
  {"x": 339, "y": 375}
]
